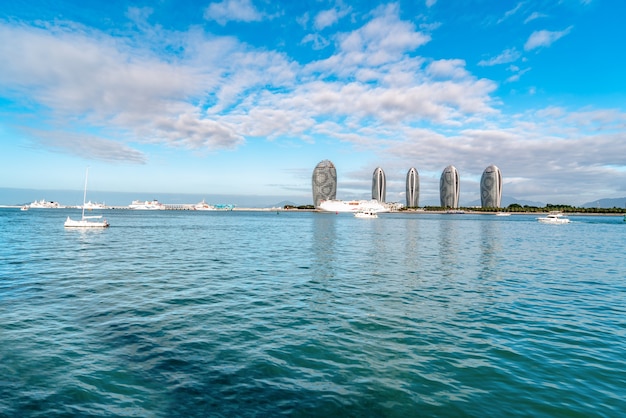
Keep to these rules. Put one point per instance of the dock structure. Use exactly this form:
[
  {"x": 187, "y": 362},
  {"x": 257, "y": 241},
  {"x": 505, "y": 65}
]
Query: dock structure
[{"x": 180, "y": 206}]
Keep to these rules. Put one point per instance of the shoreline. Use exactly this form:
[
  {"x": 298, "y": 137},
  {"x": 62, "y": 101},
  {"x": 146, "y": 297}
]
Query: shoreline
[{"x": 189, "y": 208}]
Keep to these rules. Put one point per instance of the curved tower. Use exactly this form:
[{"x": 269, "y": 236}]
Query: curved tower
[
  {"x": 379, "y": 185},
  {"x": 324, "y": 182},
  {"x": 491, "y": 187},
  {"x": 449, "y": 187},
  {"x": 412, "y": 188}
]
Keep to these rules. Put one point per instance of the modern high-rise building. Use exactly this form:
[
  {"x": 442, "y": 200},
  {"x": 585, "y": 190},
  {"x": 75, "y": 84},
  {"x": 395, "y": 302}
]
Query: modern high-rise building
[
  {"x": 412, "y": 188},
  {"x": 324, "y": 182},
  {"x": 379, "y": 185},
  {"x": 449, "y": 187},
  {"x": 491, "y": 187}
]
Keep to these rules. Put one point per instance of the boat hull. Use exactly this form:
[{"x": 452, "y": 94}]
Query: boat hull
[
  {"x": 554, "y": 222},
  {"x": 554, "y": 218},
  {"x": 71, "y": 223}
]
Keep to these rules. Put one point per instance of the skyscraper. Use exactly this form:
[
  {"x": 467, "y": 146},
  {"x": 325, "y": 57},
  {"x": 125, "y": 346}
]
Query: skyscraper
[
  {"x": 379, "y": 185},
  {"x": 449, "y": 187},
  {"x": 324, "y": 182},
  {"x": 412, "y": 188},
  {"x": 491, "y": 187}
]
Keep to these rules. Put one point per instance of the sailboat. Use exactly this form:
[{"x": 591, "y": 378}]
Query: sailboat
[{"x": 84, "y": 222}]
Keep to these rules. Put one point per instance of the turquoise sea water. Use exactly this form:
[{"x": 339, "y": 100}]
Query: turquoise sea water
[{"x": 194, "y": 314}]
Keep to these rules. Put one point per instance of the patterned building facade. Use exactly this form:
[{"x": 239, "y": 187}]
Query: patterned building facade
[
  {"x": 491, "y": 187},
  {"x": 449, "y": 187},
  {"x": 412, "y": 188},
  {"x": 379, "y": 185},
  {"x": 324, "y": 182}
]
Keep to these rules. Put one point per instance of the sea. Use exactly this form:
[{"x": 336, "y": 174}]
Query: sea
[{"x": 305, "y": 314}]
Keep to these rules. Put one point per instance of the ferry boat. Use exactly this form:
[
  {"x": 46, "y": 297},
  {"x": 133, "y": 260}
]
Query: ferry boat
[
  {"x": 352, "y": 206},
  {"x": 43, "y": 204},
  {"x": 203, "y": 206},
  {"x": 146, "y": 205}
]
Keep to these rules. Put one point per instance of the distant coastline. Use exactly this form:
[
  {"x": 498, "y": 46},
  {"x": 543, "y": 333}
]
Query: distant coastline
[{"x": 294, "y": 210}]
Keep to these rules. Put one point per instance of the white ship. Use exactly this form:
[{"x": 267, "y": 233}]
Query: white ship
[
  {"x": 43, "y": 204},
  {"x": 93, "y": 205},
  {"x": 146, "y": 205},
  {"x": 203, "y": 206},
  {"x": 352, "y": 206}
]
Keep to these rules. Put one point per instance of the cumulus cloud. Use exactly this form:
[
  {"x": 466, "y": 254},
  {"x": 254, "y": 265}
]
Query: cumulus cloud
[
  {"x": 372, "y": 91},
  {"x": 383, "y": 40},
  {"x": 219, "y": 91},
  {"x": 544, "y": 38},
  {"x": 233, "y": 10},
  {"x": 454, "y": 68},
  {"x": 538, "y": 152}
]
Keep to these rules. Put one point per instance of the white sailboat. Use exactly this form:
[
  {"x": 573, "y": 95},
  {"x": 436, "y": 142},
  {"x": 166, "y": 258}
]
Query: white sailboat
[{"x": 84, "y": 222}]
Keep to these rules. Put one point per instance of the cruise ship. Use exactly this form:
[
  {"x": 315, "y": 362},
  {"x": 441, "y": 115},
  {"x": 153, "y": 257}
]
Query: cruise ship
[
  {"x": 44, "y": 204},
  {"x": 352, "y": 206}
]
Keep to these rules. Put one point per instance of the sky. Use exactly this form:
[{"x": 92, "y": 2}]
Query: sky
[{"x": 245, "y": 97}]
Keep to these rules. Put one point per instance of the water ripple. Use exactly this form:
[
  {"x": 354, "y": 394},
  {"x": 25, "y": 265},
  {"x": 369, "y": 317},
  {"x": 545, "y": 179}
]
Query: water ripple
[{"x": 253, "y": 314}]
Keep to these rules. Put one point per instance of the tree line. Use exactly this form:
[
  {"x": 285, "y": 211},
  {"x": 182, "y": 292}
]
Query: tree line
[{"x": 515, "y": 207}]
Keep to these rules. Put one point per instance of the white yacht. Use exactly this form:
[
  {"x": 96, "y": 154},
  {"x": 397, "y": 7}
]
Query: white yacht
[{"x": 554, "y": 218}]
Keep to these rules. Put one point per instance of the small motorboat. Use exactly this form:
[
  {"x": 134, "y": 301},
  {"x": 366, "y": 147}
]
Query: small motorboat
[{"x": 554, "y": 218}]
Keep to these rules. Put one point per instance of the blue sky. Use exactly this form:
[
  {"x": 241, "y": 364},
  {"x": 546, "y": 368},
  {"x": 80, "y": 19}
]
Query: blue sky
[{"x": 245, "y": 97}]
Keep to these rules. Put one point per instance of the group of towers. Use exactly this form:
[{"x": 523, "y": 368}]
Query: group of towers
[{"x": 325, "y": 186}]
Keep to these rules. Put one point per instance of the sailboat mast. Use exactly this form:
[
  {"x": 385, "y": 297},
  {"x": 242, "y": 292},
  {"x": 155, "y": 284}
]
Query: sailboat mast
[{"x": 85, "y": 192}]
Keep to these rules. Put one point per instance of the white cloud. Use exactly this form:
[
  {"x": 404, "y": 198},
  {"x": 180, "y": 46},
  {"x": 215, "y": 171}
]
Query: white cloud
[
  {"x": 544, "y": 38},
  {"x": 511, "y": 12},
  {"x": 517, "y": 73},
  {"x": 507, "y": 56},
  {"x": 383, "y": 40},
  {"x": 539, "y": 153},
  {"x": 534, "y": 16},
  {"x": 87, "y": 146},
  {"x": 454, "y": 68},
  {"x": 327, "y": 18},
  {"x": 316, "y": 40},
  {"x": 220, "y": 91},
  {"x": 232, "y": 10},
  {"x": 372, "y": 92}
]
